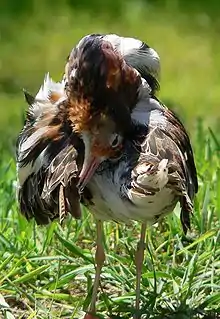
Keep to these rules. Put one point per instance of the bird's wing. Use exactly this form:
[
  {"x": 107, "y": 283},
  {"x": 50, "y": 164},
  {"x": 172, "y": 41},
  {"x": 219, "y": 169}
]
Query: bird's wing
[
  {"x": 176, "y": 131},
  {"x": 169, "y": 141},
  {"x": 48, "y": 158}
]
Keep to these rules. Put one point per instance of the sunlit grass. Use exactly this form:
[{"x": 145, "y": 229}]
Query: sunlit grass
[
  {"x": 47, "y": 272},
  {"x": 187, "y": 43}
]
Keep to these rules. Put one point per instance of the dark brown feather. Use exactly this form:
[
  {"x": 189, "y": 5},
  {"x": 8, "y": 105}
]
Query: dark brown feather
[
  {"x": 180, "y": 136},
  {"x": 172, "y": 142},
  {"x": 28, "y": 97},
  {"x": 50, "y": 192},
  {"x": 102, "y": 84}
]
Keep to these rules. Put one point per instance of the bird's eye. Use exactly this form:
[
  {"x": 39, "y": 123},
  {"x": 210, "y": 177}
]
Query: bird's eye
[{"x": 115, "y": 140}]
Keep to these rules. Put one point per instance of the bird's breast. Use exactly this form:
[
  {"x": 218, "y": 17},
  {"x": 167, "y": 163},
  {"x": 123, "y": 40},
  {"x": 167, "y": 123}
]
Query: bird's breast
[{"x": 114, "y": 199}]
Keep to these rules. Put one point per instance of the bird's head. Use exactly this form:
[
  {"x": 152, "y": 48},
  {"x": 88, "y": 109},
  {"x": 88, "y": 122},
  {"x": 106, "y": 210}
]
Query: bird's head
[
  {"x": 102, "y": 141},
  {"x": 102, "y": 90},
  {"x": 96, "y": 71},
  {"x": 102, "y": 137}
]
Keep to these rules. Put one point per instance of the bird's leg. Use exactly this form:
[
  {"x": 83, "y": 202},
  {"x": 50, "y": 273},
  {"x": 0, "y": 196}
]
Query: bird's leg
[
  {"x": 99, "y": 260},
  {"x": 139, "y": 258}
]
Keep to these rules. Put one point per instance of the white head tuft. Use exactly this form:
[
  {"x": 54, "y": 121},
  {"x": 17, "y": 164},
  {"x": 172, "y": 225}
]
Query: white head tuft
[
  {"x": 43, "y": 101},
  {"x": 48, "y": 87},
  {"x": 137, "y": 54}
]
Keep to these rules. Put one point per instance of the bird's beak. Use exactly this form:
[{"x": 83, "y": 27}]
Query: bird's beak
[{"x": 89, "y": 167}]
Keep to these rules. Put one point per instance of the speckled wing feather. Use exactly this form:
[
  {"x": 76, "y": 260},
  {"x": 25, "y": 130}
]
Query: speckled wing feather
[
  {"x": 49, "y": 155},
  {"x": 177, "y": 133},
  {"x": 167, "y": 140}
]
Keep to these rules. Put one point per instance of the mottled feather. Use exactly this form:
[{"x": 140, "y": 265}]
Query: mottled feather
[
  {"x": 47, "y": 158},
  {"x": 156, "y": 170},
  {"x": 100, "y": 83}
]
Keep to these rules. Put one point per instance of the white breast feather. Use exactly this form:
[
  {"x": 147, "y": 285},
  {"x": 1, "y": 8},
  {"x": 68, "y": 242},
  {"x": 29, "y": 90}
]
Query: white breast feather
[{"x": 109, "y": 205}]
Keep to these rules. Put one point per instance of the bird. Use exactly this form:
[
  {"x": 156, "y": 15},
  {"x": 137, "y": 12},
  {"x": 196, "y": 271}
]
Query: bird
[{"x": 101, "y": 137}]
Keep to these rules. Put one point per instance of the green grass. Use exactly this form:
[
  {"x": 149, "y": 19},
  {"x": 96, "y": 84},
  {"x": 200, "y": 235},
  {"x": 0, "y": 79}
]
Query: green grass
[
  {"x": 188, "y": 44},
  {"x": 47, "y": 272}
]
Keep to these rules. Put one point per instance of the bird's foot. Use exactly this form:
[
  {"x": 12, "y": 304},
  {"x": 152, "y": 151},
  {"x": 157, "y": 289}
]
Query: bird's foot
[{"x": 90, "y": 315}]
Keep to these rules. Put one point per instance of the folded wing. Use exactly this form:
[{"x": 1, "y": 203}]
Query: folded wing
[
  {"x": 48, "y": 158},
  {"x": 166, "y": 161}
]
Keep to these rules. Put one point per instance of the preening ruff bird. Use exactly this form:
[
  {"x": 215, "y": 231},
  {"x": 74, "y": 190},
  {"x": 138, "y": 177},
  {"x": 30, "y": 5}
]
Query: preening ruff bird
[{"x": 101, "y": 137}]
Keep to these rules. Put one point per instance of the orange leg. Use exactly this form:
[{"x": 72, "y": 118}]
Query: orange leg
[
  {"x": 139, "y": 258},
  {"x": 99, "y": 259}
]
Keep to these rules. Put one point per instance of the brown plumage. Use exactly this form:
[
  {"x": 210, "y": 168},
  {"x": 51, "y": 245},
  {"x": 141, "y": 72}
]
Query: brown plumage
[
  {"x": 98, "y": 100},
  {"x": 49, "y": 157},
  {"x": 100, "y": 84},
  {"x": 102, "y": 137}
]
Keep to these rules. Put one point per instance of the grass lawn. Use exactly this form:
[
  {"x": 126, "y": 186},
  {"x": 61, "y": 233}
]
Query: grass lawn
[{"x": 48, "y": 272}]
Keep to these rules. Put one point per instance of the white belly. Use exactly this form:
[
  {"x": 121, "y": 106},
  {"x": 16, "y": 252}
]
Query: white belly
[{"x": 109, "y": 205}]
